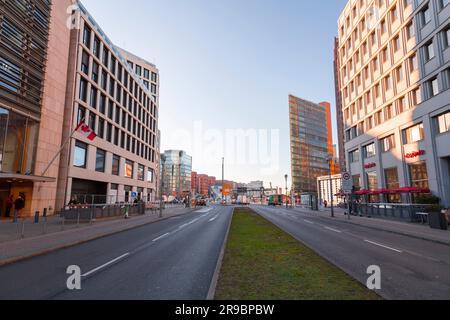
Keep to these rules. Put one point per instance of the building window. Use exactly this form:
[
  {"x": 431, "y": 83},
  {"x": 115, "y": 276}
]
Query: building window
[
  {"x": 410, "y": 30},
  {"x": 429, "y": 51},
  {"x": 414, "y": 134},
  {"x": 147, "y": 74},
  {"x": 154, "y": 77},
  {"x": 93, "y": 98},
  {"x": 129, "y": 169},
  {"x": 83, "y": 90},
  {"x": 413, "y": 63},
  {"x": 433, "y": 87},
  {"x": 447, "y": 36},
  {"x": 87, "y": 37},
  {"x": 100, "y": 160},
  {"x": 369, "y": 150},
  {"x": 418, "y": 174},
  {"x": 150, "y": 175},
  {"x": 388, "y": 143},
  {"x": 392, "y": 183},
  {"x": 354, "y": 156},
  {"x": 96, "y": 48},
  {"x": 101, "y": 128},
  {"x": 444, "y": 122},
  {"x": 92, "y": 118},
  {"x": 425, "y": 15},
  {"x": 372, "y": 184},
  {"x": 141, "y": 172},
  {"x": 444, "y": 3},
  {"x": 95, "y": 72},
  {"x": 115, "y": 165},
  {"x": 81, "y": 115},
  {"x": 139, "y": 70},
  {"x": 80, "y": 155},
  {"x": 85, "y": 62}
]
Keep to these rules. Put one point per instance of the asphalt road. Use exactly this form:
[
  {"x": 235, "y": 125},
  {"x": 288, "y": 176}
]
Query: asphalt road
[
  {"x": 410, "y": 268},
  {"x": 174, "y": 259}
]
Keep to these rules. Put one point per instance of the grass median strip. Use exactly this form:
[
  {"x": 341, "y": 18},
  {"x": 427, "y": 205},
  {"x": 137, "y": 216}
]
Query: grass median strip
[{"x": 262, "y": 262}]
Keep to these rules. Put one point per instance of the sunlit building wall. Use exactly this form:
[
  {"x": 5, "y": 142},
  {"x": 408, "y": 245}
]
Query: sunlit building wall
[{"x": 394, "y": 59}]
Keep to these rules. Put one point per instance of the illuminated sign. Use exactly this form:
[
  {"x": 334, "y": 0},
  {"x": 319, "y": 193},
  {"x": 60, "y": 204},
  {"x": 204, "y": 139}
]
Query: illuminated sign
[
  {"x": 370, "y": 165},
  {"x": 415, "y": 154}
]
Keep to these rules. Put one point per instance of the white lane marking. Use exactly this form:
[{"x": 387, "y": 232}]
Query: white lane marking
[
  {"x": 106, "y": 265},
  {"x": 214, "y": 218},
  {"x": 204, "y": 210},
  {"x": 161, "y": 237},
  {"x": 307, "y": 221},
  {"x": 334, "y": 230},
  {"x": 383, "y": 246}
]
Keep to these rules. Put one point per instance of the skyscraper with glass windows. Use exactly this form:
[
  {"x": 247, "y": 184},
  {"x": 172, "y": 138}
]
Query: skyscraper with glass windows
[{"x": 311, "y": 143}]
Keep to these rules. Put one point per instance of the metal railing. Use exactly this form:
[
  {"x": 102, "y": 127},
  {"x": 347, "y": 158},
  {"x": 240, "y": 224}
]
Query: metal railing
[{"x": 391, "y": 210}]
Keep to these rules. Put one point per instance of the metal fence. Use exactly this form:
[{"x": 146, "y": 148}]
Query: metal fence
[{"x": 407, "y": 212}]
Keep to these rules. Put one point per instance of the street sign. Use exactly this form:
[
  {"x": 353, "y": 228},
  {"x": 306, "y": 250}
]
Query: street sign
[{"x": 347, "y": 183}]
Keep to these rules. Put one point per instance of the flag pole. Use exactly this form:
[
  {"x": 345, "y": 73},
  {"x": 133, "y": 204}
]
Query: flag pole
[{"x": 62, "y": 148}]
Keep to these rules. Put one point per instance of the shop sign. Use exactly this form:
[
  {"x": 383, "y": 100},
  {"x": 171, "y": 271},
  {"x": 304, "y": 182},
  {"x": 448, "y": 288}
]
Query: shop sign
[{"x": 415, "y": 154}]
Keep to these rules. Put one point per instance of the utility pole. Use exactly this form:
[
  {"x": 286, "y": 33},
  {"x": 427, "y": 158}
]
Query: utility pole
[
  {"x": 330, "y": 159},
  {"x": 223, "y": 179},
  {"x": 161, "y": 187},
  {"x": 287, "y": 196}
]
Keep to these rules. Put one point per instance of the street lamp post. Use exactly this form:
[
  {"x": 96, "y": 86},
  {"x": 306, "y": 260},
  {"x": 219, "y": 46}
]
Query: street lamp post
[
  {"x": 161, "y": 187},
  {"x": 330, "y": 159},
  {"x": 287, "y": 196}
]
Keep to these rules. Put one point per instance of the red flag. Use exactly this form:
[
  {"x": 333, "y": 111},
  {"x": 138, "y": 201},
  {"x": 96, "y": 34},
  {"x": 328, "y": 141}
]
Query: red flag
[{"x": 84, "y": 129}]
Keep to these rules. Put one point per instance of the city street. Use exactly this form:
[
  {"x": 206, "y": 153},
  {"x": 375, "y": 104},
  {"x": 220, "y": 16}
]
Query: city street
[
  {"x": 410, "y": 268},
  {"x": 170, "y": 259}
]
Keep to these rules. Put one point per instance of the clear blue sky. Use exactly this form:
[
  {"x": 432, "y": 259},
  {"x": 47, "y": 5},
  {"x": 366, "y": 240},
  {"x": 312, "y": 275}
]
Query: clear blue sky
[{"x": 230, "y": 64}]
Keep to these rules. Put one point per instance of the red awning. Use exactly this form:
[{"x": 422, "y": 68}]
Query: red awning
[
  {"x": 411, "y": 190},
  {"x": 362, "y": 192}
]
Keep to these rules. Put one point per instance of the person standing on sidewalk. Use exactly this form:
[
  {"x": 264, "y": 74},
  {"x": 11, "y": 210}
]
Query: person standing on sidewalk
[
  {"x": 9, "y": 206},
  {"x": 19, "y": 204}
]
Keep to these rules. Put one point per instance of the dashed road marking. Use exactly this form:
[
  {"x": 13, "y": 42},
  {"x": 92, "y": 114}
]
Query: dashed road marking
[
  {"x": 106, "y": 265},
  {"x": 161, "y": 237},
  {"x": 334, "y": 230},
  {"x": 383, "y": 246}
]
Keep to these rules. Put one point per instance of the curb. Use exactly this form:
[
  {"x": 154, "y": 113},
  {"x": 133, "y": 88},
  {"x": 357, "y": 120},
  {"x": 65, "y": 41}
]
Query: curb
[
  {"x": 406, "y": 234},
  {"x": 93, "y": 238},
  {"x": 215, "y": 278}
]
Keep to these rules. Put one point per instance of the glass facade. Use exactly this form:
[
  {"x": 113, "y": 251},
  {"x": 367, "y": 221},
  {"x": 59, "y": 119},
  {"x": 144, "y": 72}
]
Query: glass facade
[
  {"x": 18, "y": 143},
  {"x": 24, "y": 32},
  {"x": 177, "y": 169},
  {"x": 309, "y": 144}
]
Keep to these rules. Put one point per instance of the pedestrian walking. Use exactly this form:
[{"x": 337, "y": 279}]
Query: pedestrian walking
[
  {"x": 9, "y": 206},
  {"x": 19, "y": 204}
]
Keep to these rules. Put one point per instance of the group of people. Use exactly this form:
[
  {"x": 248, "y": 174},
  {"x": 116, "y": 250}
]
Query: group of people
[{"x": 18, "y": 205}]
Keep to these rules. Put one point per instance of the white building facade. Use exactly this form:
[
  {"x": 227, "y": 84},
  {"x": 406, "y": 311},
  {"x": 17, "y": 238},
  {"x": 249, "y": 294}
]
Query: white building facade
[{"x": 395, "y": 78}]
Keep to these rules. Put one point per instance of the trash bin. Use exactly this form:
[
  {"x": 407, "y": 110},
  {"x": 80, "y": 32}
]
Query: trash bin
[{"x": 438, "y": 220}]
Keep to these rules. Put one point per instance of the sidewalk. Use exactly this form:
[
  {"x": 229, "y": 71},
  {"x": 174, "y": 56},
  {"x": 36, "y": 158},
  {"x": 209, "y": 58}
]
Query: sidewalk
[
  {"x": 414, "y": 230},
  {"x": 13, "y": 249}
]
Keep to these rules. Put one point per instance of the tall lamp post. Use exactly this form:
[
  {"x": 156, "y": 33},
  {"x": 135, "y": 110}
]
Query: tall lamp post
[
  {"x": 161, "y": 187},
  {"x": 287, "y": 196},
  {"x": 330, "y": 160}
]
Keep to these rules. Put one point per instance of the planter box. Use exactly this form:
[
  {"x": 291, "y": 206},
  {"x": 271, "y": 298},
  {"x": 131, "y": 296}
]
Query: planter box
[{"x": 438, "y": 220}]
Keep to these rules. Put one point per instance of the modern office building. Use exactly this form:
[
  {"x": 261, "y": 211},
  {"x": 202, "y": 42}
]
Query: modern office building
[
  {"x": 106, "y": 91},
  {"x": 339, "y": 110},
  {"x": 176, "y": 172},
  {"x": 201, "y": 183},
  {"x": 34, "y": 53},
  {"x": 394, "y": 59},
  {"x": 311, "y": 143}
]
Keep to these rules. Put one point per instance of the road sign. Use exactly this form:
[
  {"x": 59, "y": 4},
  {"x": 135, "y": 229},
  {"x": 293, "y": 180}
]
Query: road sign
[{"x": 347, "y": 183}]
